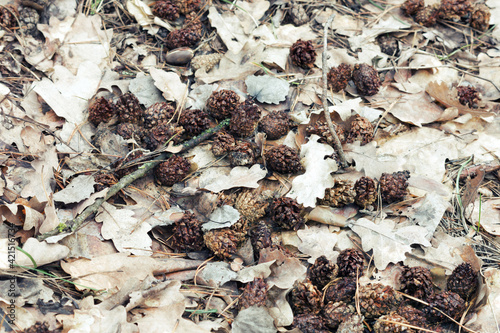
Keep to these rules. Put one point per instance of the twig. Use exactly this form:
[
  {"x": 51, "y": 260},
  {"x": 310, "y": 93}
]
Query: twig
[
  {"x": 336, "y": 142},
  {"x": 72, "y": 225}
]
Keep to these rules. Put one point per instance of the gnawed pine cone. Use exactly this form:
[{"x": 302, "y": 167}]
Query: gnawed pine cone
[
  {"x": 187, "y": 234},
  {"x": 454, "y": 9},
  {"x": 351, "y": 263},
  {"x": 376, "y": 300},
  {"x": 427, "y": 16},
  {"x": 410, "y": 7},
  {"x": 353, "y": 324},
  {"x": 366, "y": 191},
  {"x": 283, "y": 159},
  {"x": 222, "y": 242},
  {"x": 413, "y": 315},
  {"x": 101, "y": 110},
  {"x": 366, "y": 79},
  {"x": 393, "y": 187},
  {"x": 254, "y": 294},
  {"x": 387, "y": 324},
  {"x": 128, "y": 108},
  {"x": 275, "y": 125},
  {"x": 342, "y": 289},
  {"x": 28, "y": 19},
  {"x": 118, "y": 165},
  {"x": 223, "y": 142},
  {"x": 156, "y": 114},
  {"x": 194, "y": 122},
  {"x": 341, "y": 194},
  {"x": 252, "y": 204},
  {"x": 322, "y": 272},
  {"x": 310, "y": 323},
  {"x": 183, "y": 37},
  {"x": 321, "y": 129},
  {"x": 128, "y": 130},
  {"x": 245, "y": 119},
  {"x": 303, "y": 54},
  {"x": 339, "y": 77},
  {"x": 8, "y": 16},
  {"x": 161, "y": 134},
  {"x": 260, "y": 236},
  {"x": 480, "y": 17},
  {"x": 285, "y": 212},
  {"x": 305, "y": 298},
  {"x": 463, "y": 280},
  {"x": 468, "y": 95},
  {"x": 172, "y": 171},
  {"x": 336, "y": 313},
  {"x": 222, "y": 103},
  {"x": 448, "y": 302},
  {"x": 361, "y": 130},
  {"x": 189, "y": 6},
  {"x": 242, "y": 154},
  {"x": 417, "y": 282},
  {"x": 166, "y": 10},
  {"x": 104, "y": 180}
]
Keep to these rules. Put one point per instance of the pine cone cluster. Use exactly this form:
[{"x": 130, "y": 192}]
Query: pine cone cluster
[
  {"x": 223, "y": 142},
  {"x": 303, "y": 54},
  {"x": 321, "y": 129},
  {"x": 166, "y": 10},
  {"x": 194, "y": 122},
  {"x": 128, "y": 130},
  {"x": 376, "y": 299},
  {"x": 366, "y": 79},
  {"x": 172, "y": 171},
  {"x": 322, "y": 272},
  {"x": 8, "y": 16},
  {"x": 244, "y": 153},
  {"x": 275, "y": 125},
  {"x": 468, "y": 95},
  {"x": 463, "y": 280},
  {"x": 285, "y": 212},
  {"x": 339, "y": 77},
  {"x": 417, "y": 282},
  {"x": 245, "y": 119},
  {"x": 128, "y": 108},
  {"x": 341, "y": 194},
  {"x": 283, "y": 159},
  {"x": 254, "y": 294},
  {"x": 222, "y": 242},
  {"x": 101, "y": 110},
  {"x": 187, "y": 234},
  {"x": 222, "y": 103},
  {"x": 351, "y": 263},
  {"x": 305, "y": 298},
  {"x": 366, "y": 191},
  {"x": 393, "y": 186}
]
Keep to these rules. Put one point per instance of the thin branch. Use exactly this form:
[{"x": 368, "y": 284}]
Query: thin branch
[
  {"x": 336, "y": 142},
  {"x": 73, "y": 225}
]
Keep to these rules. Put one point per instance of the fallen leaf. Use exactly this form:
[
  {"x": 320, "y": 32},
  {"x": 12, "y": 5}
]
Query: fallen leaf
[
  {"x": 143, "y": 87},
  {"x": 267, "y": 89},
  {"x": 317, "y": 241},
  {"x": 228, "y": 28},
  {"x": 487, "y": 215},
  {"x": 79, "y": 189},
  {"x": 169, "y": 84},
  {"x": 222, "y": 217},
  {"x": 217, "y": 180},
  {"x": 254, "y": 320}
]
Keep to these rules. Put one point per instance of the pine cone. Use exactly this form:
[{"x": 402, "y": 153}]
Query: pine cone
[
  {"x": 417, "y": 282},
  {"x": 321, "y": 129},
  {"x": 386, "y": 324},
  {"x": 161, "y": 134},
  {"x": 172, "y": 171},
  {"x": 376, "y": 300},
  {"x": 101, "y": 111},
  {"x": 157, "y": 114},
  {"x": 29, "y": 18},
  {"x": 184, "y": 37},
  {"x": 221, "y": 104},
  {"x": 353, "y": 324},
  {"x": 275, "y": 125},
  {"x": 339, "y": 77},
  {"x": 448, "y": 302},
  {"x": 454, "y": 9},
  {"x": 38, "y": 327},
  {"x": 480, "y": 17},
  {"x": 118, "y": 165},
  {"x": 187, "y": 235},
  {"x": 285, "y": 212},
  {"x": 223, "y": 143},
  {"x": 222, "y": 242},
  {"x": 127, "y": 130},
  {"x": 189, "y": 6},
  {"x": 310, "y": 323},
  {"x": 366, "y": 191},
  {"x": 8, "y": 16},
  {"x": 322, "y": 272},
  {"x": 305, "y": 298},
  {"x": 388, "y": 45},
  {"x": 366, "y": 79},
  {"x": 341, "y": 290},
  {"x": 468, "y": 95},
  {"x": 254, "y": 294},
  {"x": 207, "y": 61},
  {"x": 361, "y": 130},
  {"x": 283, "y": 159},
  {"x": 463, "y": 280},
  {"x": 410, "y": 7},
  {"x": 166, "y": 10},
  {"x": 242, "y": 154},
  {"x": 427, "y": 16},
  {"x": 351, "y": 263},
  {"x": 393, "y": 187},
  {"x": 128, "y": 108},
  {"x": 245, "y": 119},
  {"x": 303, "y": 54},
  {"x": 414, "y": 316},
  {"x": 341, "y": 194},
  {"x": 104, "y": 180},
  {"x": 260, "y": 236},
  {"x": 194, "y": 122},
  {"x": 336, "y": 313},
  {"x": 252, "y": 204}
]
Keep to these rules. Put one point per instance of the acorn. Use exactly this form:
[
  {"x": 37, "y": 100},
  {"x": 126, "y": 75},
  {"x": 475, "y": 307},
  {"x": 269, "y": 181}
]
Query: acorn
[
  {"x": 179, "y": 57},
  {"x": 303, "y": 54}
]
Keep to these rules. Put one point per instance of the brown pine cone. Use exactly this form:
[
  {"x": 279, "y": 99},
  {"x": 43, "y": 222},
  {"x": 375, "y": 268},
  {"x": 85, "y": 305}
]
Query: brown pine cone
[
  {"x": 468, "y": 95},
  {"x": 38, "y": 327},
  {"x": 104, "y": 180},
  {"x": 341, "y": 194},
  {"x": 260, "y": 236},
  {"x": 161, "y": 134},
  {"x": 254, "y": 294},
  {"x": 303, "y": 54},
  {"x": 448, "y": 302},
  {"x": 376, "y": 300},
  {"x": 427, "y": 16},
  {"x": 285, "y": 212},
  {"x": 387, "y": 324},
  {"x": 366, "y": 191},
  {"x": 8, "y": 16},
  {"x": 28, "y": 19},
  {"x": 305, "y": 298},
  {"x": 252, "y": 204},
  {"x": 283, "y": 159},
  {"x": 463, "y": 280},
  {"x": 187, "y": 235},
  {"x": 310, "y": 323},
  {"x": 166, "y": 10},
  {"x": 361, "y": 130},
  {"x": 221, "y": 104},
  {"x": 172, "y": 171},
  {"x": 222, "y": 242},
  {"x": 189, "y": 6},
  {"x": 410, "y": 7},
  {"x": 242, "y": 154},
  {"x": 101, "y": 111},
  {"x": 393, "y": 187},
  {"x": 185, "y": 37},
  {"x": 245, "y": 119},
  {"x": 118, "y": 165},
  {"x": 353, "y": 324},
  {"x": 194, "y": 122},
  {"x": 157, "y": 114},
  {"x": 351, "y": 263},
  {"x": 339, "y": 77},
  {"x": 275, "y": 125},
  {"x": 321, "y": 129},
  {"x": 128, "y": 130},
  {"x": 366, "y": 79},
  {"x": 341, "y": 290},
  {"x": 322, "y": 272},
  {"x": 413, "y": 315},
  {"x": 336, "y": 313},
  {"x": 128, "y": 108},
  {"x": 417, "y": 282},
  {"x": 223, "y": 143},
  {"x": 480, "y": 17},
  {"x": 454, "y": 9},
  {"x": 388, "y": 45}
]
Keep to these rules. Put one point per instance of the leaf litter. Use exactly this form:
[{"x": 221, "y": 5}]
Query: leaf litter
[{"x": 137, "y": 263}]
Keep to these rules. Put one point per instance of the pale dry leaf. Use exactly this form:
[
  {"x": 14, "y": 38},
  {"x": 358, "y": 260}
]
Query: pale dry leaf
[
  {"x": 76, "y": 139},
  {"x": 143, "y": 15},
  {"x": 260, "y": 271},
  {"x": 332, "y": 216},
  {"x": 487, "y": 215},
  {"x": 42, "y": 252},
  {"x": 143, "y": 87},
  {"x": 79, "y": 189},
  {"x": 229, "y": 29},
  {"x": 169, "y": 84},
  {"x": 311, "y": 185},
  {"x": 369, "y": 34},
  {"x": 430, "y": 213},
  {"x": 285, "y": 270},
  {"x": 217, "y": 180},
  {"x": 41, "y": 179},
  {"x": 250, "y": 12},
  {"x": 254, "y": 320},
  {"x": 218, "y": 272},
  {"x": 222, "y": 217},
  {"x": 279, "y": 307},
  {"x": 289, "y": 33},
  {"x": 11, "y": 128},
  {"x": 317, "y": 241},
  {"x": 267, "y": 89}
]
